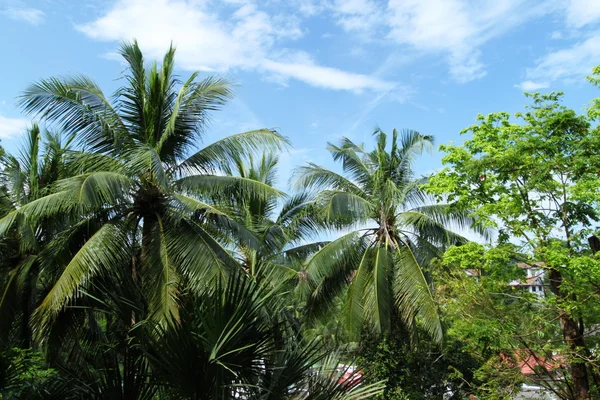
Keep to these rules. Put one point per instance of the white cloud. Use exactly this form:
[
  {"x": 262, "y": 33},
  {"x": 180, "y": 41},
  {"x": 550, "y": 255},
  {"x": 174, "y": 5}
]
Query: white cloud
[
  {"x": 582, "y": 12},
  {"x": 570, "y": 63},
  {"x": 457, "y": 28},
  {"x": 326, "y": 77},
  {"x": 29, "y": 15},
  {"x": 530, "y": 86},
  {"x": 248, "y": 39},
  {"x": 10, "y": 127}
]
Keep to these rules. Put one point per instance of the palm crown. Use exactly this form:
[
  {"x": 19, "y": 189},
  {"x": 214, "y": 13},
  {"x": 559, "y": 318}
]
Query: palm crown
[
  {"x": 395, "y": 233},
  {"x": 139, "y": 196}
]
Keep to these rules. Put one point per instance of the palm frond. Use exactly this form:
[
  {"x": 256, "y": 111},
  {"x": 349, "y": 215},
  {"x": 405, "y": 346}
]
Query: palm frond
[
  {"x": 104, "y": 250},
  {"x": 315, "y": 177},
  {"x": 97, "y": 189},
  {"x": 227, "y": 151},
  {"x": 329, "y": 270},
  {"x": 355, "y": 298},
  {"x": 77, "y": 105},
  {"x": 225, "y": 187},
  {"x": 200, "y": 98},
  {"x": 144, "y": 161},
  {"x": 198, "y": 256},
  {"x": 352, "y": 162},
  {"x": 60, "y": 203},
  {"x": 382, "y": 290},
  {"x": 161, "y": 280},
  {"x": 413, "y": 295},
  {"x": 343, "y": 208}
]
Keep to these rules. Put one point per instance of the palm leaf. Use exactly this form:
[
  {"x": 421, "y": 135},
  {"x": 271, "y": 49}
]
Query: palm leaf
[
  {"x": 161, "y": 280},
  {"x": 315, "y": 177},
  {"x": 413, "y": 296},
  {"x": 225, "y": 187},
  {"x": 382, "y": 291},
  {"x": 227, "y": 151},
  {"x": 104, "y": 250},
  {"x": 78, "y": 105}
]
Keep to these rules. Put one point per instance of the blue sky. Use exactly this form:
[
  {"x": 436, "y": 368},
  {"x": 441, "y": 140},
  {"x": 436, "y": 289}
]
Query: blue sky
[{"x": 318, "y": 70}]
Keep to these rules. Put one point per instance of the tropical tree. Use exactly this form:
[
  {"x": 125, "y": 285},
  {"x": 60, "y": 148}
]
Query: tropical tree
[
  {"x": 236, "y": 342},
  {"x": 232, "y": 341},
  {"x": 143, "y": 199},
  {"x": 285, "y": 224},
  {"x": 394, "y": 234},
  {"x": 534, "y": 176},
  {"x": 26, "y": 177}
]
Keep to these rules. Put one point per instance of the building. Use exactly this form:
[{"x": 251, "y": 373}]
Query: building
[{"x": 534, "y": 281}]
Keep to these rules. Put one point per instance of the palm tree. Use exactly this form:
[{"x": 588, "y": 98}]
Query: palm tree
[
  {"x": 395, "y": 232},
  {"x": 145, "y": 202},
  {"x": 26, "y": 177},
  {"x": 234, "y": 342},
  {"x": 283, "y": 224}
]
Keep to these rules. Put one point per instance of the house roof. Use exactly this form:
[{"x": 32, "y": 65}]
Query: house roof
[
  {"x": 527, "y": 361},
  {"x": 529, "y": 281},
  {"x": 535, "y": 264}
]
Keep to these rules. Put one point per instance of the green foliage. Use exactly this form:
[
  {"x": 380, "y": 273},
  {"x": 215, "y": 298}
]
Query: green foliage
[
  {"x": 416, "y": 371},
  {"x": 499, "y": 324},
  {"x": 26, "y": 375},
  {"x": 379, "y": 266},
  {"x": 142, "y": 267},
  {"x": 533, "y": 177}
]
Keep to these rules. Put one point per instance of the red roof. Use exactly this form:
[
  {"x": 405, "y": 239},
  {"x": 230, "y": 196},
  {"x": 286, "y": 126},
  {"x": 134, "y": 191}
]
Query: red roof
[{"x": 528, "y": 361}]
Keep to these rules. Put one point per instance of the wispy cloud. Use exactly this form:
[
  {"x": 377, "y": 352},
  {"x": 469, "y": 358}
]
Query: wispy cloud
[
  {"x": 247, "y": 38},
  {"x": 457, "y": 28},
  {"x": 572, "y": 62},
  {"x": 10, "y": 127},
  {"x": 30, "y": 15},
  {"x": 530, "y": 86},
  {"x": 325, "y": 77},
  {"x": 582, "y": 12}
]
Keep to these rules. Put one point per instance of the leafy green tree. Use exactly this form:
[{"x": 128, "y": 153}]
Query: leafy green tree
[
  {"x": 504, "y": 327},
  {"x": 421, "y": 370},
  {"x": 394, "y": 234},
  {"x": 143, "y": 203},
  {"x": 535, "y": 179}
]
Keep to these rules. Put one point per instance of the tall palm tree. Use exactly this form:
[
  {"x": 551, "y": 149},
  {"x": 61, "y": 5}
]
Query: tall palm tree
[
  {"x": 143, "y": 198},
  {"x": 26, "y": 177},
  {"x": 394, "y": 233},
  {"x": 287, "y": 226}
]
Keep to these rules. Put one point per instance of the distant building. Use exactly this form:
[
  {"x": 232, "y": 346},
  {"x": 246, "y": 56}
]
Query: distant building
[{"x": 534, "y": 281}]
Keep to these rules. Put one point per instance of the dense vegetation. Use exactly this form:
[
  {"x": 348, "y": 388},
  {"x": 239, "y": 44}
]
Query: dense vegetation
[{"x": 135, "y": 264}]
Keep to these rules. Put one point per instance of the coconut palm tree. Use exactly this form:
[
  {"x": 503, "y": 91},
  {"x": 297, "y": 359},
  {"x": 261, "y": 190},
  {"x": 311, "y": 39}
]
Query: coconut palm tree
[
  {"x": 394, "y": 233},
  {"x": 144, "y": 196},
  {"x": 26, "y": 177},
  {"x": 284, "y": 224}
]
